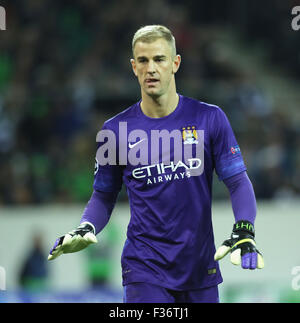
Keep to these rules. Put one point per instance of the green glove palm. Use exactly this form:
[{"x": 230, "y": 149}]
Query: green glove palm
[{"x": 74, "y": 241}]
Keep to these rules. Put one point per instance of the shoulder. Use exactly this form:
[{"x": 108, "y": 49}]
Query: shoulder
[
  {"x": 122, "y": 116},
  {"x": 201, "y": 106},
  {"x": 211, "y": 115}
]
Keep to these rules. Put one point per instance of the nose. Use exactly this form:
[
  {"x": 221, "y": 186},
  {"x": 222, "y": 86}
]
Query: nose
[{"x": 151, "y": 67}]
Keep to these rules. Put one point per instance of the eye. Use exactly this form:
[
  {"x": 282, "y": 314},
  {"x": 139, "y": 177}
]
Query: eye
[{"x": 142, "y": 60}]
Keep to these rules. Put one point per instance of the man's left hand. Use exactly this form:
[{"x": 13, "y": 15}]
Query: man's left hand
[{"x": 242, "y": 247}]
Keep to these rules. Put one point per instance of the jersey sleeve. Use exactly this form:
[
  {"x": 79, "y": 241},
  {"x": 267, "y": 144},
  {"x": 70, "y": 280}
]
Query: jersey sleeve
[
  {"x": 107, "y": 177},
  {"x": 227, "y": 157}
]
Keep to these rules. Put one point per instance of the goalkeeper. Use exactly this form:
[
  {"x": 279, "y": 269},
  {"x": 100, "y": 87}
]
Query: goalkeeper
[{"x": 169, "y": 255}]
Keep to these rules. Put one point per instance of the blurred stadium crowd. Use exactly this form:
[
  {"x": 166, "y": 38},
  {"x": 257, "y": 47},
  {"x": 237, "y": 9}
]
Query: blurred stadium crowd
[{"x": 64, "y": 69}]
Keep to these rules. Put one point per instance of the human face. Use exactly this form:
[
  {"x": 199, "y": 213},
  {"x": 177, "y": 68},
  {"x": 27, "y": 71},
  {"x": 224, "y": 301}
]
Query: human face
[{"x": 154, "y": 66}]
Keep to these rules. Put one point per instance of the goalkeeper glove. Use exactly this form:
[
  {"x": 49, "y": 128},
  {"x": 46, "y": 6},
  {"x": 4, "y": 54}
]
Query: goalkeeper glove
[
  {"x": 242, "y": 247},
  {"x": 74, "y": 241}
]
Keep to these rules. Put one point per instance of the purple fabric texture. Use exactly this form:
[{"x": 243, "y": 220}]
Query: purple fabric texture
[
  {"x": 170, "y": 239},
  {"x": 242, "y": 196},
  {"x": 149, "y": 293},
  {"x": 99, "y": 209}
]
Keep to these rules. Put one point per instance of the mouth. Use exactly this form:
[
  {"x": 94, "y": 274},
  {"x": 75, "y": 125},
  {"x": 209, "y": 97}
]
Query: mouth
[{"x": 151, "y": 81}]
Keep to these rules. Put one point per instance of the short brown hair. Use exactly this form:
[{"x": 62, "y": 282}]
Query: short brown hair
[{"x": 151, "y": 33}]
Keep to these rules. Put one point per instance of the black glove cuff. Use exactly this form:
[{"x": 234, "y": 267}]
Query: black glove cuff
[
  {"x": 84, "y": 228},
  {"x": 244, "y": 226}
]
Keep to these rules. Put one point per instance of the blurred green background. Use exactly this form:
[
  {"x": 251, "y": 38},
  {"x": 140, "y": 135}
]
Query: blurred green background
[{"x": 64, "y": 70}]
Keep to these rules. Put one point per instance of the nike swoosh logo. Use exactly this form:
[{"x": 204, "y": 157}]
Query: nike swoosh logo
[{"x": 136, "y": 143}]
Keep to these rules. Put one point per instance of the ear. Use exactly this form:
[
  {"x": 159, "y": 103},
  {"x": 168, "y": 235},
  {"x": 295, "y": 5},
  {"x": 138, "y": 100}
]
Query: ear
[
  {"x": 132, "y": 61},
  {"x": 176, "y": 63}
]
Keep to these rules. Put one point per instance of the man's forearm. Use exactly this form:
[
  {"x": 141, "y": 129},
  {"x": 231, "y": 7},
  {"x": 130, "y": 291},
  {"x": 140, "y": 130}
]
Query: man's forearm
[
  {"x": 242, "y": 197},
  {"x": 99, "y": 209}
]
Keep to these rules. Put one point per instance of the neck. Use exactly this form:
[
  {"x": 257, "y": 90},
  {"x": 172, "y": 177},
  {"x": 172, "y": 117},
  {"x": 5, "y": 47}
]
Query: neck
[{"x": 158, "y": 107}]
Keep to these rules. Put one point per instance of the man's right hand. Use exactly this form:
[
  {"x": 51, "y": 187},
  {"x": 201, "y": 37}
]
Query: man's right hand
[{"x": 74, "y": 240}]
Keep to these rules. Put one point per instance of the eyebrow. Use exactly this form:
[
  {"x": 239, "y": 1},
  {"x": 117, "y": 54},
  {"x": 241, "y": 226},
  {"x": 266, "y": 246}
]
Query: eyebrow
[{"x": 155, "y": 57}]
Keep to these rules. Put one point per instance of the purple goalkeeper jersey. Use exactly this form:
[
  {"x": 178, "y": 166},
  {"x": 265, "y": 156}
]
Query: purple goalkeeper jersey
[{"x": 170, "y": 239}]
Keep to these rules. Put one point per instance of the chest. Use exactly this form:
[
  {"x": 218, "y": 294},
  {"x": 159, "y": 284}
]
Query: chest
[{"x": 178, "y": 147}]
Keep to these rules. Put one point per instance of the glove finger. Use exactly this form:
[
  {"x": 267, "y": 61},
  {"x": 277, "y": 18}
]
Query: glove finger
[
  {"x": 246, "y": 261},
  {"x": 87, "y": 239},
  {"x": 57, "y": 243},
  {"x": 56, "y": 250},
  {"x": 253, "y": 263},
  {"x": 56, "y": 253},
  {"x": 68, "y": 239},
  {"x": 260, "y": 261},
  {"x": 90, "y": 238},
  {"x": 235, "y": 256},
  {"x": 221, "y": 252},
  {"x": 249, "y": 260},
  {"x": 73, "y": 243}
]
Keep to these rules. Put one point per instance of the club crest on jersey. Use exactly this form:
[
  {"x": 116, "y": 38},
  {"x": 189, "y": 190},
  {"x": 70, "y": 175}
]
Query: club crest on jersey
[{"x": 189, "y": 135}]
